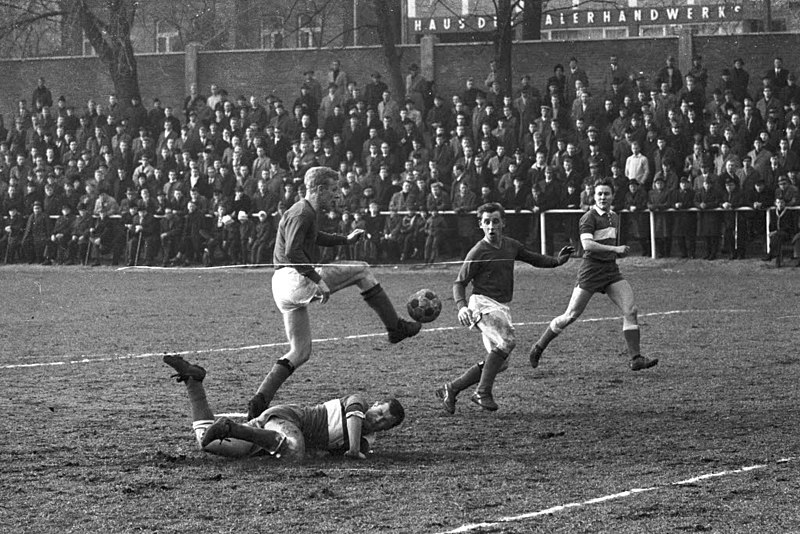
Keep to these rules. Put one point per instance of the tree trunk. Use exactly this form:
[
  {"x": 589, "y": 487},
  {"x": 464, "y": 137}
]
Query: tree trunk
[
  {"x": 532, "y": 20},
  {"x": 502, "y": 45},
  {"x": 112, "y": 42},
  {"x": 388, "y": 33}
]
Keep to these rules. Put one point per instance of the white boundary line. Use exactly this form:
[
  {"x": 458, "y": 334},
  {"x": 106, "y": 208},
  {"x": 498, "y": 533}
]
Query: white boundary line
[
  {"x": 99, "y": 359},
  {"x": 621, "y": 495}
]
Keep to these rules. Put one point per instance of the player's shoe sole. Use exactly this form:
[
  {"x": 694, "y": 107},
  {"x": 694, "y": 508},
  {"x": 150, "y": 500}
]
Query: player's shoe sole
[
  {"x": 535, "y": 356},
  {"x": 219, "y": 430},
  {"x": 640, "y": 362},
  {"x": 448, "y": 399},
  {"x": 185, "y": 370},
  {"x": 485, "y": 401},
  {"x": 404, "y": 329}
]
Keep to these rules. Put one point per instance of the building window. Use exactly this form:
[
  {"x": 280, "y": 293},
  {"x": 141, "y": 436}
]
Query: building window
[
  {"x": 309, "y": 32},
  {"x": 272, "y": 36},
  {"x": 167, "y": 39},
  {"x": 585, "y": 33},
  {"x": 87, "y": 49}
]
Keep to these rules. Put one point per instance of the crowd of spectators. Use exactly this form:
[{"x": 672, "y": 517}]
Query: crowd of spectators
[{"x": 207, "y": 180}]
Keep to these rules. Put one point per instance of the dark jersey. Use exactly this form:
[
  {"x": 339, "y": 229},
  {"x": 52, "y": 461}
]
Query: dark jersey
[
  {"x": 324, "y": 426},
  {"x": 491, "y": 269},
  {"x": 602, "y": 226},
  {"x": 298, "y": 237}
]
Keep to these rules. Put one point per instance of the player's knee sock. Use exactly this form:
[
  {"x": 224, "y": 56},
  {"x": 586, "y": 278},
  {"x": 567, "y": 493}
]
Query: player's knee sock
[
  {"x": 470, "y": 377},
  {"x": 631, "y": 334},
  {"x": 282, "y": 369},
  {"x": 378, "y": 300},
  {"x": 547, "y": 336},
  {"x": 494, "y": 362},
  {"x": 201, "y": 411}
]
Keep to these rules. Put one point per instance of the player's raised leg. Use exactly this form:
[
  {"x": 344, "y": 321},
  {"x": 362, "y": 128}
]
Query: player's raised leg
[
  {"x": 577, "y": 303},
  {"x": 202, "y": 417},
  {"x": 340, "y": 276},
  {"x": 621, "y": 294},
  {"x": 298, "y": 332}
]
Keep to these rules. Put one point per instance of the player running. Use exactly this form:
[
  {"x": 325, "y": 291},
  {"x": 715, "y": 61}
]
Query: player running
[
  {"x": 489, "y": 266},
  {"x": 340, "y": 426},
  {"x": 599, "y": 273},
  {"x": 298, "y": 281}
]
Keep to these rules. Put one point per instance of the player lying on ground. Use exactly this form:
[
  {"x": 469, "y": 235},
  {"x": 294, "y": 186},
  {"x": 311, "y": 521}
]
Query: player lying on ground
[
  {"x": 340, "y": 426},
  {"x": 489, "y": 267},
  {"x": 599, "y": 273},
  {"x": 297, "y": 281}
]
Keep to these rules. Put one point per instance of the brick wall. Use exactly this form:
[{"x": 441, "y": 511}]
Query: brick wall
[
  {"x": 260, "y": 72},
  {"x": 281, "y": 71},
  {"x": 80, "y": 79},
  {"x": 757, "y": 50},
  {"x": 455, "y": 62}
]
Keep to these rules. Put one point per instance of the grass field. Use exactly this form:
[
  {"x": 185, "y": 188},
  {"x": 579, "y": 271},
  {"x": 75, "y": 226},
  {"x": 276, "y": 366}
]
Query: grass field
[{"x": 95, "y": 437}]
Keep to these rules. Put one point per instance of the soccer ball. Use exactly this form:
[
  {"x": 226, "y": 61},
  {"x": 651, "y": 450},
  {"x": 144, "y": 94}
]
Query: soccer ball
[{"x": 424, "y": 306}]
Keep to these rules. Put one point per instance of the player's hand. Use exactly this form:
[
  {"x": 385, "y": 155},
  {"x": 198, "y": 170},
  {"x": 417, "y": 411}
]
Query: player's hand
[
  {"x": 623, "y": 250},
  {"x": 323, "y": 292},
  {"x": 355, "y": 455},
  {"x": 355, "y": 235},
  {"x": 465, "y": 316},
  {"x": 564, "y": 254}
]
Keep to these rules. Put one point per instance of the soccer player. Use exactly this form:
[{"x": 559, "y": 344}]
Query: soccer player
[
  {"x": 297, "y": 282},
  {"x": 599, "y": 272},
  {"x": 489, "y": 267},
  {"x": 340, "y": 426}
]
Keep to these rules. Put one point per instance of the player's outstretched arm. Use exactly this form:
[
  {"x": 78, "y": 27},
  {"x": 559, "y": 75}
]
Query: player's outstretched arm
[
  {"x": 354, "y": 425},
  {"x": 543, "y": 261},
  {"x": 355, "y": 235}
]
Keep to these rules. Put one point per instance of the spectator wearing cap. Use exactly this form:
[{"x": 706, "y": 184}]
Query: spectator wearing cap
[
  {"x": 760, "y": 155},
  {"x": 787, "y": 191},
  {"x": 373, "y": 91},
  {"x": 308, "y": 103},
  {"x": 685, "y": 227},
  {"x": 338, "y": 77},
  {"x": 746, "y": 176},
  {"x": 791, "y": 92},
  {"x": 768, "y": 102},
  {"x": 574, "y": 73},
  {"x": 439, "y": 115},
  {"x": 693, "y": 94},
  {"x": 314, "y": 87},
  {"x": 416, "y": 87},
  {"x": 37, "y": 234},
  {"x": 777, "y": 75},
  {"x": 699, "y": 72},
  {"x": 332, "y": 99},
  {"x": 41, "y": 96},
  {"x": 671, "y": 75},
  {"x": 787, "y": 158},
  {"x": 615, "y": 72},
  {"x": 740, "y": 80},
  {"x": 388, "y": 107}
]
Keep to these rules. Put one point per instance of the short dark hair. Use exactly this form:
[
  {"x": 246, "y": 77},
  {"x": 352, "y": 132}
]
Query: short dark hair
[
  {"x": 604, "y": 181},
  {"x": 397, "y": 411},
  {"x": 491, "y": 207}
]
